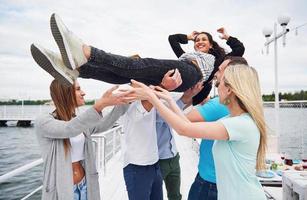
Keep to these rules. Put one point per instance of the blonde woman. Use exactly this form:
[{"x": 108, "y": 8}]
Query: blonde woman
[{"x": 239, "y": 149}]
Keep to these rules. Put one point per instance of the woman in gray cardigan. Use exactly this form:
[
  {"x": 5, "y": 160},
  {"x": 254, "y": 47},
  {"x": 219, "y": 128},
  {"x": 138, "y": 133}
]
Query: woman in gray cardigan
[{"x": 65, "y": 140}]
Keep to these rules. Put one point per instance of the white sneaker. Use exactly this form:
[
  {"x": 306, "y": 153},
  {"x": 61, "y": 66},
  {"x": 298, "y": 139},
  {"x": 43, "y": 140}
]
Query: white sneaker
[
  {"x": 69, "y": 44},
  {"x": 53, "y": 64}
]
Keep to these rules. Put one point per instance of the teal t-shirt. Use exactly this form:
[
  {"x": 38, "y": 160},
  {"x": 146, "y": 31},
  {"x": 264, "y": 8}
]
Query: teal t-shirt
[
  {"x": 210, "y": 111},
  {"x": 235, "y": 160}
]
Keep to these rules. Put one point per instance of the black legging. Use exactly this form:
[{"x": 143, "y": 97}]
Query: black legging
[{"x": 117, "y": 69}]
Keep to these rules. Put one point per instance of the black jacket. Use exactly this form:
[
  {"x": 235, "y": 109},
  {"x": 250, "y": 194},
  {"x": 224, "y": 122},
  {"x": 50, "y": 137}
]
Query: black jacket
[{"x": 237, "y": 49}]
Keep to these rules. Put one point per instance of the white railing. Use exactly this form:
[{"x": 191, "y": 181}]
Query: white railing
[
  {"x": 19, "y": 170},
  {"x": 287, "y": 104},
  {"x": 102, "y": 141},
  {"x": 20, "y": 111}
]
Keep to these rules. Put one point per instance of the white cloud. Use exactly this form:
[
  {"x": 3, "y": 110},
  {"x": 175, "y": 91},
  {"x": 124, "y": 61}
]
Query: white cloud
[{"x": 126, "y": 27}]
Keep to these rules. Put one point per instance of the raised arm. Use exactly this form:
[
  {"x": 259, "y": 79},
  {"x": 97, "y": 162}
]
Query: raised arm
[
  {"x": 237, "y": 47},
  {"x": 108, "y": 121},
  {"x": 175, "y": 41},
  {"x": 164, "y": 94},
  {"x": 209, "y": 130},
  {"x": 52, "y": 128}
]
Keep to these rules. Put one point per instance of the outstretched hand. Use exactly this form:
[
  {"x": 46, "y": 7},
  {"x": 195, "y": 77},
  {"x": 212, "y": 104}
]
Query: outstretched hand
[
  {"x": 224, "y": 35},
  {"x": 140, "y": 91},
  {"x": 190, "y": 93},
  {"x": 171, "y": 80},
  {"x": 111, "y": 99},
  {"x": 162, "y": 93}
]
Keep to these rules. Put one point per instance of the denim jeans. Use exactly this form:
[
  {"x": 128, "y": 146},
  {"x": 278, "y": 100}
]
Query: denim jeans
[
  {"x": 202, "y": 190},
  {"x": 143, "y": 182},
  {"x": 80, "y": 190},
  {"x": 170, "y": 169},
  {"x": 118, "y": 69}
]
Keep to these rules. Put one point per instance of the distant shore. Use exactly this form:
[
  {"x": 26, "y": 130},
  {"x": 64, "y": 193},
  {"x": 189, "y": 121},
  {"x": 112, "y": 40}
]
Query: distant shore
[
  {"x": 35, "y": 102},
  {"x": 287, "y": 96}
]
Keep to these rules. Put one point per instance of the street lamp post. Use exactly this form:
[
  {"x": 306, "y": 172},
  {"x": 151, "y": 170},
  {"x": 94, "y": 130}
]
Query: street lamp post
[{"x": 267, "y": 32}]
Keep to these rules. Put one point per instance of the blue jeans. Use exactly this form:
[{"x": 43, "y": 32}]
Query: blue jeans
[
  {"x": 80, "y": 190},
  {"x": 143, "y": 182},
  {"x": 202, "y": 190},
  {"x": 118, "y": 69}
]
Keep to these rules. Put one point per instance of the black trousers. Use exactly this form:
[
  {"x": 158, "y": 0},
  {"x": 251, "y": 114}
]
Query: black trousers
[{"x": 118, "y": 69}]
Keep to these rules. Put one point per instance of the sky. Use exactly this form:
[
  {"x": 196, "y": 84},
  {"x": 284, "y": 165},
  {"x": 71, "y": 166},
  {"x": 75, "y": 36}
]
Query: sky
[{"x": 142, "y": 26}]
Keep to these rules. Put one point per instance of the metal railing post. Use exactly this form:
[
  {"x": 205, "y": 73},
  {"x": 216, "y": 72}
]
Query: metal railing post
[
  {"x": 4, "y": 111},
  {"x": 104, "y": 156},
  {"x": 113, "y": 142},
  {"x": 19, "y": 170}
]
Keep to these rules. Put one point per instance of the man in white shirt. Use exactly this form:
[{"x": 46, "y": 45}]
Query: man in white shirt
[{"x": 141, "y": 169}]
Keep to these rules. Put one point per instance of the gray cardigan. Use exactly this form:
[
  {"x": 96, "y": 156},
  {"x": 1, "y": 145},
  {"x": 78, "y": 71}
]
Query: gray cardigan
[{"x": 57, "y": 169}]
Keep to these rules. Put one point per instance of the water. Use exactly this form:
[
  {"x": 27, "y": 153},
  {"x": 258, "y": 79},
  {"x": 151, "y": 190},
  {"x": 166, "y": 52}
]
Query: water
[
  {"x": 292, "y": 130},
  {"x": 19, "y": 146}
]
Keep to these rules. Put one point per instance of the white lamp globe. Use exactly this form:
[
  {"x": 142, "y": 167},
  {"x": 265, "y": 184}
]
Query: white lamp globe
[
  {"x": 267, "y": 32},
  {"x": 283, "y": 20}
]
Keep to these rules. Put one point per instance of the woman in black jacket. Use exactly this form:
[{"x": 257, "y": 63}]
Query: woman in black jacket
[{"x": 204, "y": 42}]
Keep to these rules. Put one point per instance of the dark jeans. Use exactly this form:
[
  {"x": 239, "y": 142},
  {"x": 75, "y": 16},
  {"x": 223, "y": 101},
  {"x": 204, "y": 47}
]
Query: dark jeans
[
  {"x": 143, "y": 182},
  {"x": 117, "y": 69},
  {"x": 202, "y": 190},
  {"x": 170, "y": 170}
]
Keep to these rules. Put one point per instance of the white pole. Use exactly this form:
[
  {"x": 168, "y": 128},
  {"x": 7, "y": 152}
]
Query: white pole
[
  {"x": 276, "y": 86},
  {"x": 22, "y": 111},
  {"x": 4, "y": 111}
]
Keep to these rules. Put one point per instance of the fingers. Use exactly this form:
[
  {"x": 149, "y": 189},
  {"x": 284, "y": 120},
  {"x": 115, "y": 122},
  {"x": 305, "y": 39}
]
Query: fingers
[
  {"x": 129, "y": 99},
  {"x": 113, "y": 88},
  {"x": 124, "y": 93},
  {"x": 194, "y": 33},
  {"x": 176, "y": 75},
  {"x": 137, "y": 84},
  {"x": 169, "y": 73},
  {"x": 221, "y": 30},
  {"x": 158, "y": 88},
  {"x": 160, "y": 94},
  {"x": 199, "y": 86}
]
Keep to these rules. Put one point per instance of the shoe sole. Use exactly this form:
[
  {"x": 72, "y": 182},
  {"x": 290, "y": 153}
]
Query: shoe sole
[
  {"x": 60, "y": 40},
  {"x": 42, "y": 60}
]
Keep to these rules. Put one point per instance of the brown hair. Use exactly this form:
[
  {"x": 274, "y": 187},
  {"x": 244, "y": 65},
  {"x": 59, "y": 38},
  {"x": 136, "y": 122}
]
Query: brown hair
[
  {"x": 64, "y": 99},
  {"x": 235, "y": 60},
  {"x": 214, "y": 44}
]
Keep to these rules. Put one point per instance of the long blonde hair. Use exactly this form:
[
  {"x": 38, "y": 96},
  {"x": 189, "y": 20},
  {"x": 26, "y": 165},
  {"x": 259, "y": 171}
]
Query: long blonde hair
[
  {"x": 64, "y": 99},
  {"x": 244, "y": 82}
]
